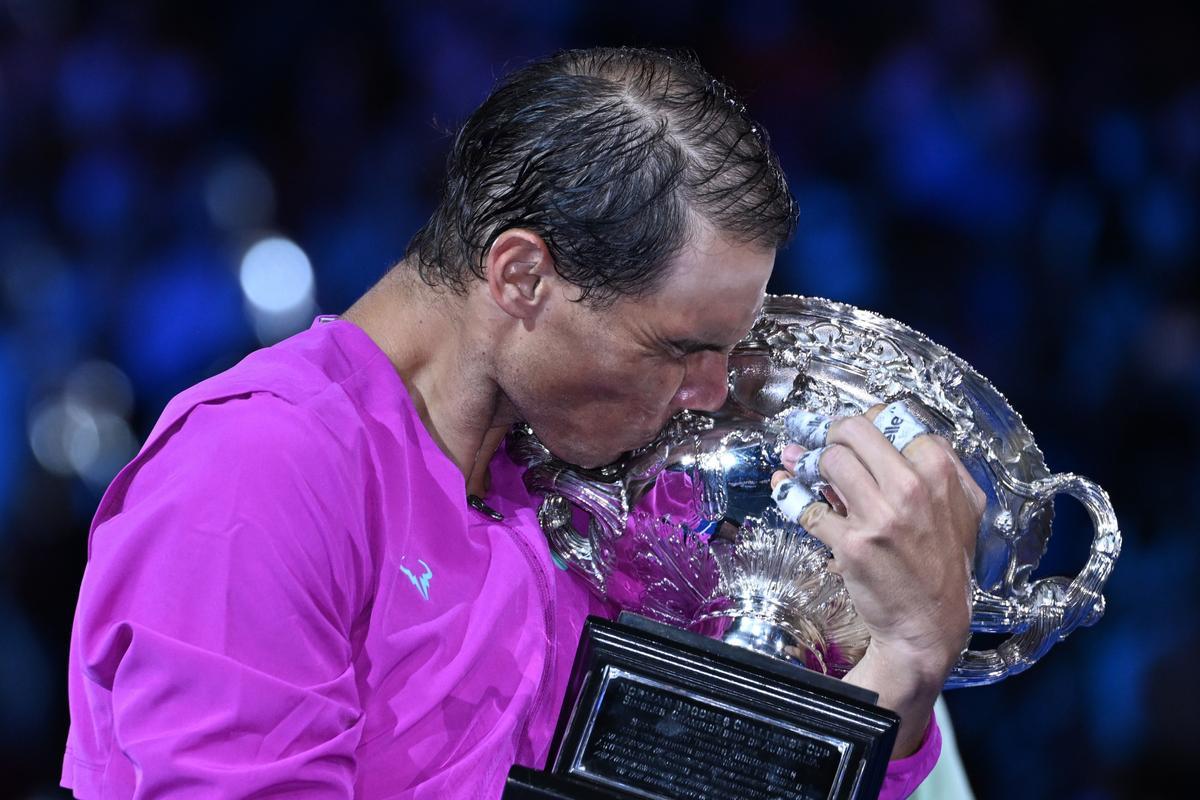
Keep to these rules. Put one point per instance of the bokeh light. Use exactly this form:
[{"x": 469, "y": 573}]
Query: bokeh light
[
  {"x": 277, "y": 281},
  {"x": 276, "y": 276},
  {"x": 84, "y": 430}
]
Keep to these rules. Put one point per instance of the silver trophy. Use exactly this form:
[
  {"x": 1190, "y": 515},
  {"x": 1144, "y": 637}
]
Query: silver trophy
[{"x": 685, "y": 530}]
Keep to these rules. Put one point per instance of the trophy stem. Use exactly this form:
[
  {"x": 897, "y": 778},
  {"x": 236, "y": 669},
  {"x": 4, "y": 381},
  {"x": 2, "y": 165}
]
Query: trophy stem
[{"x": 762, "y": 636}]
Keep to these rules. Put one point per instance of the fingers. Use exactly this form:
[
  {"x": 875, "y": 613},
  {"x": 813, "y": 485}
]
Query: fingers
[
  {"x": 970, "y": 487},
  {"x": 832, "y": 498},
  {"x": 886, "y": 450},
  {"x": 791, "y": 496},
  {"x": 797, "y": 502},
  {"x": 832, "y": 528},
  {"x": 941, "y": 469},
  {"x": 935, "y": 465},
  {"x": 878, "y": 463},
  {"x": 790, "y": 455},
  {"x": 898, "y": 424},
  {"x": 807, "y": 467},
  {"x": 856, "y": 488},
  {"x": 831, "y": 450},
  {"x": 778, "y": 477},
  {"x": 807, "y": 428}
]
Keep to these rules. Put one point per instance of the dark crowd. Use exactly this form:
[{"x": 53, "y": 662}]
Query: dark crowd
[{"x": 181, "y": 183}]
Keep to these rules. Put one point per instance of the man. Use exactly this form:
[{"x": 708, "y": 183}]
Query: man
[{"x": 321, "y": 578}]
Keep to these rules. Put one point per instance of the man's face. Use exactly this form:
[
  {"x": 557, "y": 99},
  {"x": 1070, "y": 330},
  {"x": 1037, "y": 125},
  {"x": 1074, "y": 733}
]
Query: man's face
[{"x": 595, "y": 383}]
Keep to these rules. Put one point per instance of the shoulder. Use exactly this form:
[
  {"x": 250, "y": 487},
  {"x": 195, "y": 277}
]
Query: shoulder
[
  {"x": 278, "y": 404},
  {"x": 295, "y": 390},
  {"x": 253, "y": 482},
  {"x": 256, "y": 428},
  {"x": 232, "y": 447},
  {"x": 238, "y": 516}
]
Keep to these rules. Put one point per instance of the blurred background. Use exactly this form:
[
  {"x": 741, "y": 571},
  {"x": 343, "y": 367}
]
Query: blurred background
[{"x": 181, "y": 183}]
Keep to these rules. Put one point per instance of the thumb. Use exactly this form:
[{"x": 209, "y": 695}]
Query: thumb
[{"x": 820, "y": 520}]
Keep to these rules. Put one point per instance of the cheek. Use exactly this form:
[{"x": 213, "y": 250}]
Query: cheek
[
  {"x": 639, "y": 375},
  {"x": 624, "y": 378},
  {"x": 593, "y": 378},
  {"x": 647, "y": 395}
]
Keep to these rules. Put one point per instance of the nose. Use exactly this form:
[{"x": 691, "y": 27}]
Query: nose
[{"x": 705, "y": 382}]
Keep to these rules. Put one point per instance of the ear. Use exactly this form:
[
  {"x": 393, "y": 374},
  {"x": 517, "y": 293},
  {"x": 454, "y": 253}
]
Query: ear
[{"x": 519, "y": 271}]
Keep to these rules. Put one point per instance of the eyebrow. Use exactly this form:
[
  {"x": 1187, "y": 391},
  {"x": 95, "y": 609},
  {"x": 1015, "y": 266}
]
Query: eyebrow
[{"x": 697, "y": 346}]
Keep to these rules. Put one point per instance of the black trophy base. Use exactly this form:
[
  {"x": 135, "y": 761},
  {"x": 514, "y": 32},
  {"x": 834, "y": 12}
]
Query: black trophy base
[
  {"x": 530, "y": 784},
  {"x": 665, "y": 714}
]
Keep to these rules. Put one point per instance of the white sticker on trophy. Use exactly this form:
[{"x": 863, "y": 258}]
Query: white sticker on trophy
[
  {"x": 807, "y": 428},
  {"x": 792, "y": 497},
  {"x": 808, "y": 467},
  {"x": 898, "y": 425}
]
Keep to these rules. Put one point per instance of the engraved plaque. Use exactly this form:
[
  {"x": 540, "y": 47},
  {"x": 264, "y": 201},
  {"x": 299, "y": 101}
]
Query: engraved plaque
[
  {"x": 646, "y": 736},
  {"x": 658, "y": 713}
]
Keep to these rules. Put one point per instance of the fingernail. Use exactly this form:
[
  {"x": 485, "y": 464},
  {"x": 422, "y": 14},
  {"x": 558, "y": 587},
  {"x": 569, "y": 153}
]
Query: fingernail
[{"x": 790, "y": 455}]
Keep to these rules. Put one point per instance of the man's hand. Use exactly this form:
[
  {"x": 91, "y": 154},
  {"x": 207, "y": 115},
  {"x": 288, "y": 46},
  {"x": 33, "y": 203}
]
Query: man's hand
[{"x": 902, "y": 529}]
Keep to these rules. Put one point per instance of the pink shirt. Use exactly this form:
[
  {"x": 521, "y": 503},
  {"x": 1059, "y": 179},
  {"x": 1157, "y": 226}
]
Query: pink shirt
[{"x": 286, "y": 590}]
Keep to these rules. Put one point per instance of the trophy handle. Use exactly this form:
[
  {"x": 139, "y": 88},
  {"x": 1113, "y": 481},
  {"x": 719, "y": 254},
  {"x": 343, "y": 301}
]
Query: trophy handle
[
  {"x": 1055, "y": 606},
  {"x": 586, "y": 554}
]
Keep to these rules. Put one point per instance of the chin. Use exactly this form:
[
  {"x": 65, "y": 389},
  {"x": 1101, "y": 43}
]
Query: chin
[
  {"x": 589, "y": 460},
  {"x": 582, "y": 449},
  {"x": 581, "y": 457}
]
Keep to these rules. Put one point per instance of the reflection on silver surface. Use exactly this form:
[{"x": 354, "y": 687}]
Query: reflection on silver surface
[{"x": 685, "y": 531}]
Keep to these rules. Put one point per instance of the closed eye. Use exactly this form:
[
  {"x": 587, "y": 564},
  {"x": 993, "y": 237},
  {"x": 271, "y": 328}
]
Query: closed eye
[{"x": 688, "y": 346}]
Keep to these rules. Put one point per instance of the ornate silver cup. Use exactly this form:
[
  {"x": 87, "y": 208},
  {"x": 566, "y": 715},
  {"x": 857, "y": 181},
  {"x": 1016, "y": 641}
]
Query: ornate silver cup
[{"x": 684, "y": 531}]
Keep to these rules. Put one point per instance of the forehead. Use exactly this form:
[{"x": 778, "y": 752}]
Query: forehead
[{"x": 714, "y": 287}]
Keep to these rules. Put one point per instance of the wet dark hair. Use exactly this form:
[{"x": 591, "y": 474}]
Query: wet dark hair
[{"x": 610, "y": 155}]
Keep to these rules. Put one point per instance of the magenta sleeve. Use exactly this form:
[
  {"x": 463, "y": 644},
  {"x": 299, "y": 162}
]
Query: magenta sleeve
[{"x": 904, "y": 775}]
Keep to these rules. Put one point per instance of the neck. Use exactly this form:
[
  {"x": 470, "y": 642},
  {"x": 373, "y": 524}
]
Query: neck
[{"x": 446, "y": 366}]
